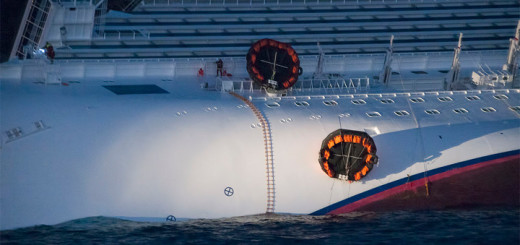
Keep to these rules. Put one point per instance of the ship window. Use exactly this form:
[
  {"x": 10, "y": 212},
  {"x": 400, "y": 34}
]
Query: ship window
[
  {"x": 272, "y": 104},
  {"x": 330, "y": 102},
  {"x": 432, "y": 112},
  {"x": 373, "y": 114},
  {"x": 135, "y": 89},
  {"x": 501, "y": 97},
  {"x": 445, "y": 99},
  {"x": 472, "y": 98},
  {"x": 460, "y": 111},
  {"x": 301, "y": 103},
  {"x": 488, "y": 109},
  {"x": 417, "y": 100},
  {"x": 359, "y": 102},
  {"x": 515, "y": 108},
  {"x": 387, "y": 101},
  {"x": 401, "y": 113}
]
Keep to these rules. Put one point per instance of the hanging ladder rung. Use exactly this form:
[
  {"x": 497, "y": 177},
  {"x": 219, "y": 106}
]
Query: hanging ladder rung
[{"x": 269, "y": 154}]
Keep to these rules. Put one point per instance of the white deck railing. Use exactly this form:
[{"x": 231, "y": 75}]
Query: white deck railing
[{"x": 281, "y": 2}]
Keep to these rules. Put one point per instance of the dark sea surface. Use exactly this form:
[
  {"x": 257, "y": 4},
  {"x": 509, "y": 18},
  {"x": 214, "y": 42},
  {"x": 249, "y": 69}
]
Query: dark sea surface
[{"x": 459, "y": 226}]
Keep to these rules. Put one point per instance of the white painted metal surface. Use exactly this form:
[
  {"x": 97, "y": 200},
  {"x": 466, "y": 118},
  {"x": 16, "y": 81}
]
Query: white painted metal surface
[{"x": 162, "y": 154}]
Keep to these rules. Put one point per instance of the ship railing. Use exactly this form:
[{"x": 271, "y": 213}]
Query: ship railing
[
  {"x": 227, "y": 84},
  {"x": 274, "y": 2},
  {"x": 31, "y": 29},
  {"x": 333, "y": 84},
  {"x": 486, "y": 76},
  {"x": 433, "y": 84},
  {"x": 79, "y": 2}
]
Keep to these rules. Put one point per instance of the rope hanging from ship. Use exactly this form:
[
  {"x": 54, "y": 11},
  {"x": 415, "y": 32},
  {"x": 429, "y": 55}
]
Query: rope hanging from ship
[
  {"x": 273, "y": 65},
  {"x": 347, "y": 154}
]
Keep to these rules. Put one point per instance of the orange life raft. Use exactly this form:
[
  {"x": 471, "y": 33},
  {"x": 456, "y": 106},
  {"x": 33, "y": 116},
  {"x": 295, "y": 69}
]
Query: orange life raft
[
  {"x": 273, "y": 64},
  {"x": 347, "y": 154}
]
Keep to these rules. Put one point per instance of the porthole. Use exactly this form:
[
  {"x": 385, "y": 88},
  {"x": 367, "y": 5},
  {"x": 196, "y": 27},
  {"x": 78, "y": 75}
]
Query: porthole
[
  {"x": 387, "y": 101},
  {"x": 488, "y": 109},
  {"x": 445, "y": 99},
  {"x": 460, "y": 111},
  {"x": 417, "y": 100},
  {"x": 501, "y": 97},
  {"x": 515, "y": 108},
  {"x": 373, "y": 114},
  {"x": 472, "y": 98},
  {"x": 432, "y": 112},
  {"x": 330, "y": 102},
  {"x": 401, "y": 113},
  {"x": 272, "y": 104},
  {"x": 358, "y": 102},
  {"x": 301, "y": 103}
]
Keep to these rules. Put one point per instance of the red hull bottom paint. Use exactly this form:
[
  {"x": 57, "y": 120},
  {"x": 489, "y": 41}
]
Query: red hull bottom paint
[{"x": 495, "y": 182}]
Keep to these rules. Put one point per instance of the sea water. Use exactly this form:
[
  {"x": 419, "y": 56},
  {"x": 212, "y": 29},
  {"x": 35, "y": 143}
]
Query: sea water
[{"x": 457, "y": 226}]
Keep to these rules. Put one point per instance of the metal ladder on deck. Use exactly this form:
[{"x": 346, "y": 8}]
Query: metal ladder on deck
[{"x": 268, "y": 144}]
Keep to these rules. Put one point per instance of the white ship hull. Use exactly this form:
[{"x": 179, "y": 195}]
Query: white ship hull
[{"x": 155, "y": 155}]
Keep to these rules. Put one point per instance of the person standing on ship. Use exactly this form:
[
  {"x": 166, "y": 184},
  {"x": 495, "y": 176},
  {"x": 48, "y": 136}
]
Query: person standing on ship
[
  {"x": 49, "y": 50},
  {"x": 220, "y": 65},
  {"x": 200, "y": 77}
]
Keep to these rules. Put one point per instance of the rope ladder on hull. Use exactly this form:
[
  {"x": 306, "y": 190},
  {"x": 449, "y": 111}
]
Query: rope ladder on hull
[{"x": 268, "y": 144}]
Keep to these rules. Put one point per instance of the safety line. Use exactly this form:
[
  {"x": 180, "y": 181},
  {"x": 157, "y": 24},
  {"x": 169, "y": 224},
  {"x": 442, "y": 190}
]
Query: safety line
[{"x": 268, "y": 143}]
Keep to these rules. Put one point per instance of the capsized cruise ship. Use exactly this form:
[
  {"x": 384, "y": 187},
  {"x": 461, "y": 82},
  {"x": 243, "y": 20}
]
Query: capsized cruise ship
[{"x": 325, "y": 107}]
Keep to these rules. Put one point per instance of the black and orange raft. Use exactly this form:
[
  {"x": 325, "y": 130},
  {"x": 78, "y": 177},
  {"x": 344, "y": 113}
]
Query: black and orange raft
[
  {"x": 347, "y": 154},
  {"x": 272, "y": 64}
]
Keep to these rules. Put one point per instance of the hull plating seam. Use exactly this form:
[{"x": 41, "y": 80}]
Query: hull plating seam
[{"x": 358, "y": 201}]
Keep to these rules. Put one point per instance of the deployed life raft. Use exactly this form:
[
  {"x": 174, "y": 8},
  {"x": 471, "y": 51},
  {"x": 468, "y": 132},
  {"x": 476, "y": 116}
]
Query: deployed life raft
[
  {"x": 347, "y": 154},
  {"x": 273, "y": 64}
]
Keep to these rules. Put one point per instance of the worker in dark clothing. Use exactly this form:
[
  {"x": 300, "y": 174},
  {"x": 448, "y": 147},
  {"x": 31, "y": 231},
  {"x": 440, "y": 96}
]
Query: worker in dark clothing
[
  {"x": 220, "y": 65},
  {"x": 49, "y": 50}
]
